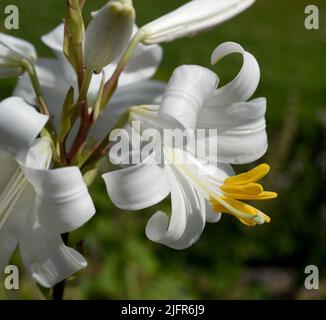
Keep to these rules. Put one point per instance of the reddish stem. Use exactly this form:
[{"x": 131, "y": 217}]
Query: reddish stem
[
  {"x": 84, "y": 128},
  {"x": 110, "y": 86}
]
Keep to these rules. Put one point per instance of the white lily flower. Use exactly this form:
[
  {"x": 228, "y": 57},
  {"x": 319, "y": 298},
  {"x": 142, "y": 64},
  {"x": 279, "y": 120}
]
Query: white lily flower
[
  {"x": 37, "y": 204},
  {"x": 12, "y": 51},
  {"x": 192, "y": 18},
  {"x": 135, "y": 86},
  {"x": 108, "y": 33},
  {"x": 199, "y": 190}
]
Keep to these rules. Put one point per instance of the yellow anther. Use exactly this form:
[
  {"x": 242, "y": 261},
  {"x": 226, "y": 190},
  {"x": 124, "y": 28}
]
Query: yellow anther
[
  {"x": 244, "y": 187},
  {"x": 251, "y": 176},
  {"x": 249, "y": 189},
  {"x": 246, "y": 213}
]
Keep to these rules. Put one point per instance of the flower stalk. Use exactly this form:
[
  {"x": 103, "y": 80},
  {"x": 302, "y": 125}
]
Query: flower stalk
[
  {"x": 101, "y": 149},
  {"x": 111, "y": 85},
  {"x": 87, "y": 119},
  {"x": 30, "y": 69}
]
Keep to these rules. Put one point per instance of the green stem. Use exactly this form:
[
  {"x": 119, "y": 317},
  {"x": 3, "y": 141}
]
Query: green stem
[
  {"x": 111, "y": 85},
  {"x": 79, "y": 59},
  {"x": 100, "y": 149},
  {"x": 108, "y": 90},
  {"x": 81, "y": 4},
  {"x": 30, "y": 68},
  {"x": 85, "y": 85},
  {"x": 86, "y": 119}
]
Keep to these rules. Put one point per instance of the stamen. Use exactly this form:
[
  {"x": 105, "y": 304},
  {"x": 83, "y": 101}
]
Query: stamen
[
  {"x": 264, "y": 195},
  {"x": 252, "y": 175},
  {"x": 247, "y": 214},
  {"x": 249, "y": 189},
  {"x": 239, "y": 187},
  {"x": 244, "y": 187}
]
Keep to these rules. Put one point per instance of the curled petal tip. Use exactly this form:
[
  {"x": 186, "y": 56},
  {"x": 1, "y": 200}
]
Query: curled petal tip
[{"x": 224, "y": 49}]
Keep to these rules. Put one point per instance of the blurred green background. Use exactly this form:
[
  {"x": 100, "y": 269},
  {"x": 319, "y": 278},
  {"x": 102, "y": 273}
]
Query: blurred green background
[{"x": 230, "y": 261}]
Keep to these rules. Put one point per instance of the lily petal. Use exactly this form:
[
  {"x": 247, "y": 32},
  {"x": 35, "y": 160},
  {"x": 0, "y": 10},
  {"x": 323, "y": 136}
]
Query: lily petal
[
  {"x": 145, "y": 117},
  {"x": 39, "y": 155},
  {"x": 212, "y": 175},
  {"x": 46, "y": 257},
  {"x": 242, "y": 115},
  {"x": 191, "y": 18},
  {"x": 142, "y": 65},
  {"x": 63, "y": 203},
  {"x": 187, "y": 220},
  {"x": 54, "y": 40},
  {"x": 53, "y": 83},
  {"x": 243, "y": 86},
  {"x": 11, "y": 224},
  {"x": 8, "y": 166},
  {"x": 186, "y": 94},
  {"x": 16, "y": 136},
  {"x": 139, "y": 93},
  {"x": 13, "y": 49},
  {"x": 211, "y": 215},
  {"x": 137, "y": 187},
  {"x": 241, "y": 131}
]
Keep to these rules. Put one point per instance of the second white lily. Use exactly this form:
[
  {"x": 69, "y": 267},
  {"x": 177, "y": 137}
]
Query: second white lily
[
  {"x": 199, "y": 190},
  {"x": 37, "y": 204}
]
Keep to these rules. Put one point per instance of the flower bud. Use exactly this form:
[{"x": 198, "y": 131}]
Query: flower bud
[
  {"x": 191, "y": 18},
  {"x": 12, "y": 52},
  {"x": 108, "y": 33}
]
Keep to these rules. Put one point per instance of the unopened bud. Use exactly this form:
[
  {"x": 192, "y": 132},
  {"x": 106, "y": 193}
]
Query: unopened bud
[{"x": 108, "y": 33}]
